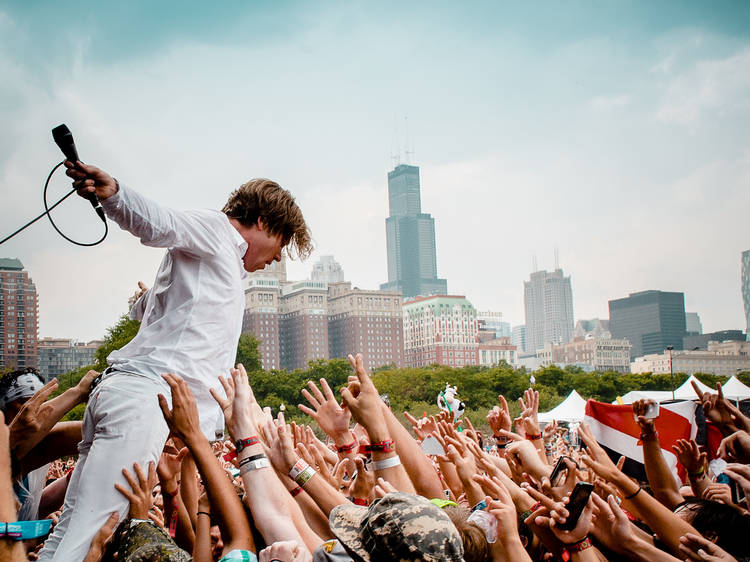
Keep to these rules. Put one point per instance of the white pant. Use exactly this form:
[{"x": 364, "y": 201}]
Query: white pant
[{"x": 122, "y": 424}]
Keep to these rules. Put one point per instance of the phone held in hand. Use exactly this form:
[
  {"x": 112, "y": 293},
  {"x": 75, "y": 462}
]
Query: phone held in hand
[
  {"x": 578, "y": 499},
  {"x": 652, "y": 411},
  {"x": 555, "y": 478}
]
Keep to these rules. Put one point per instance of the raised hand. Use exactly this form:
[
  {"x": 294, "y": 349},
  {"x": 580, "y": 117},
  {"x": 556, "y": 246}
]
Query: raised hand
[
  {"x": 101, "y": 539},
  {"x": 31, "y": 418},
  {"x": 736, "y": 447},
  {"x": 90, "y": 179},
  {"x": 689, "y": 455},
  {"x": 182, "y": 419},
  {"x": 331, "y": 417},
  {"x": 169, "y": 466},
  {"x": 529, "y": 411},
  {"x": 280, "y": 448},
  {"x": 366, "y": 406},
  {"x": 697, "y": 548},
  {"x": 499, "y": 417},
  {"x": 716, "y": 408},
  {"x": 647, "y": 425},
  {"x": 718, "y": 492},
  {"x": 140, "y": 496}
]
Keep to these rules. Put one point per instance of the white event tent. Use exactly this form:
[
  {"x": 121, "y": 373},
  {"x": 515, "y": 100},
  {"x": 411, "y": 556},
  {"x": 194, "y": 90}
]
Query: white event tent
[
  {"x": 569, "y": 410},
  {"x": 733, "y": 389},
  {"x": 684, "y": 392}
]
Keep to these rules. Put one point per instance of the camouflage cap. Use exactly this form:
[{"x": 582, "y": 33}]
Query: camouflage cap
[
  {"x": 399, "y": 526},
  {"x": 145, "y": 542}
]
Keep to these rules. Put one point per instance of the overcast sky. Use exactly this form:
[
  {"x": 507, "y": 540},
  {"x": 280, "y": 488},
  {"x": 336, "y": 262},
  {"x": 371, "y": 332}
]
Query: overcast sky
[{"x": 617, "y": 132}]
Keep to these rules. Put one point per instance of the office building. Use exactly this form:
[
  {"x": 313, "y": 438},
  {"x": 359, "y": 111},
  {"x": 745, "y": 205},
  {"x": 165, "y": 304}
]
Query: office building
[
  {"x": 518, "y": 338},
  {"x": 600, "y": 354},
  {"x": 721, "y": 358},
  {"x": 489, "y": 321},
  {"x": 328, "y": 270},
  {"x": 746, "y": 287},
  {"x": 19, "y": 309},
  {"x": 58, "y": 356},
  {"x": 649, "y": 320},
  {"x": 410, "y": 238},
  {"x": 440, "y": 329},
  {"x": 693, "y": 324},
  {"x": 700, "y": 341},
  {"x": 366, "y": 322},
  {"x": 261, "y": 317},
  {"x": 548, "y": 302},
  {"x": 303, "y": 323},
  {"x": 492, "y": 352}
]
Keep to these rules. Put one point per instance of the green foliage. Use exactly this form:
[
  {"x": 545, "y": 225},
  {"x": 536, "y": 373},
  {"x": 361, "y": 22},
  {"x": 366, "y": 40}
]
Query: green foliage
[
  {"x": 248, "y": 353},
  {"x": 117, "y": 336}
]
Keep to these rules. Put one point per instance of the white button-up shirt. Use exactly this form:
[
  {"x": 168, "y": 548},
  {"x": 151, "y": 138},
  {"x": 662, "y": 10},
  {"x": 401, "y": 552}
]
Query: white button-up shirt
[{"x": 191, "y": 318}]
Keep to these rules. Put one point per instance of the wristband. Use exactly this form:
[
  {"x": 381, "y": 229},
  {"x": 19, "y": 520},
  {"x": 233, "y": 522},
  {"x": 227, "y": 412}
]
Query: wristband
[
  {"x": 22, "y": 530},
  {"x": 305, "y": 476},
  {"x": 533, "y": 436},
  {"x": 697, "y": 472},
  {"x": 204, "y": 513},
  {"x": 348, "y": 448},
  {"x": 481, "y": 505},
  {"x": 360, "y": 501},
  {"x": 230, "y": 456},
  {"x": 299, "y": 467},
  {"x": 583, "y": 544},
  {"x": 525, "y": 515},
  {"x": 631, "y": 496},
  {"x": 254, "y": 465},
  {"x": 649, "y": 436},
  {"x": 380, "y": 447},
  {"x": 390, "y": 462},
  {"x": 251, "y": 459},
  {"x": 296, "y": 491},
  {"x": 501, "y": 445},
  {"x": 247, "y": 442}
]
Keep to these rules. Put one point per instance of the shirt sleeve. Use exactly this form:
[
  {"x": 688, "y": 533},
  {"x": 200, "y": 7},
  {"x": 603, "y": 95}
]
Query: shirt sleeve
[
  {"x": 138, "y": 308},
  {"x": 197, "y": 232}
]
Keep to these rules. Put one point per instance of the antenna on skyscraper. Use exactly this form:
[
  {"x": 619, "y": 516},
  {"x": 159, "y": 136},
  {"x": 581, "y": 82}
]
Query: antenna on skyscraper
[
  {"x": 395, "y": 144},
  {"x": 408, "y": 153},
  {"x": 557, "y": 259},
  {"x": 533, "y": 263}
]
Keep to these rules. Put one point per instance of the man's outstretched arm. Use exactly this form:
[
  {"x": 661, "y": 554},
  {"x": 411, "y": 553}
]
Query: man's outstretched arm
[{"x": 155, "y": 225}]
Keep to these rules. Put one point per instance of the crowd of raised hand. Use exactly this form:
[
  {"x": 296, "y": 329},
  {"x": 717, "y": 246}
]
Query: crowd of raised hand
[{"x": 361, "y": 486}]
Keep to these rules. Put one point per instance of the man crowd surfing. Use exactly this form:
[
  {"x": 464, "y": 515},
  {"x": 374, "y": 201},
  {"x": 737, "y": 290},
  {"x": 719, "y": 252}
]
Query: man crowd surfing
[{"x": 148, "y": 475}]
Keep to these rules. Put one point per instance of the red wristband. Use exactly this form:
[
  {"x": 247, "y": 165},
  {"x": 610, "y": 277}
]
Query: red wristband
[
  {"x": 296, "y": 491},
  {"x": 533, "y": 436},
  {"x": 348, "y": 448},
  {"x": 241, "y": 444},
  {"x": 580, "y": 545},
  {"x": 360, "y": 501},
  {"x": 381, "y": 447}
]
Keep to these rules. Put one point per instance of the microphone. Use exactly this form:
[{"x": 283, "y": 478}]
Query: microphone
[{"x": 64, "y": 140}]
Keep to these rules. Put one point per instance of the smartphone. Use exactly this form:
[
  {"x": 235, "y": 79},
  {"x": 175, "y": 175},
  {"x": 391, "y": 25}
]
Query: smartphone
[
  {"x": 578, "y": 499},
  {"x": 555, "y": 479},
  {"x": 652, "y": 411},
  {"x": 737, "y": 496}
]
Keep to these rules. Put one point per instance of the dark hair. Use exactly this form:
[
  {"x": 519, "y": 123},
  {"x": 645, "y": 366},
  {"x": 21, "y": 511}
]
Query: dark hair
[
  {"x": 266, "y": 200},
  {"x": 721, "y": 522}
]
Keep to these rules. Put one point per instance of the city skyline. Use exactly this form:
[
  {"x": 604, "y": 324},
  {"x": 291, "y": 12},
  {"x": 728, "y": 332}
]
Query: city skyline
[{"x": 603, "y": 132}]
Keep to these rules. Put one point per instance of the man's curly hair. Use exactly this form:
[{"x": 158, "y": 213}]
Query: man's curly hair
[{"x": 266, "y": 200}]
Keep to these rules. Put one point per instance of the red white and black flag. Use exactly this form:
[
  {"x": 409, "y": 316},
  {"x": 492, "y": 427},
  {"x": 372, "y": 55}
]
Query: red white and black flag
[{"x": 615, "y": 429}]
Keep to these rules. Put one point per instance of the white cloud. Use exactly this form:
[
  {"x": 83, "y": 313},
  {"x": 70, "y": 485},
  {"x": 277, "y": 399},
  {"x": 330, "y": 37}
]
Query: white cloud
[{"x": 711, "y": 88}]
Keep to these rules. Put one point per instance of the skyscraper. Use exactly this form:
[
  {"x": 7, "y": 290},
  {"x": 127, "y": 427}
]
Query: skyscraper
[
  {"x": 746, "y": 288},
  {"x": 650, "y": 320},
  {"x": 410, "y": 238},
  {"x": 19, "y": 307},
  {"x": 327, "y": 269},
  {"x": 548, "y": 300}
]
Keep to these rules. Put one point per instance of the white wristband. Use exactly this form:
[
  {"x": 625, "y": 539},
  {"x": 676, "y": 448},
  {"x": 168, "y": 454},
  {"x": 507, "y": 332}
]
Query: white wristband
[
  {"x": 254, "y": 465},
  {"x": 390, "y": 462}
]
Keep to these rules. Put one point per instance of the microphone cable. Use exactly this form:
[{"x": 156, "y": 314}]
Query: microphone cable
[{"x": 47, "y": 210}]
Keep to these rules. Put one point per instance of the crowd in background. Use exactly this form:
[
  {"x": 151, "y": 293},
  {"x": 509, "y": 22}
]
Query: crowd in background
[{"x": 361, "y": 486}]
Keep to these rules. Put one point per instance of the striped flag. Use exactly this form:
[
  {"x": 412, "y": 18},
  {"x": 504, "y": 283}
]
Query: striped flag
[{"x": 616, "y": 430}]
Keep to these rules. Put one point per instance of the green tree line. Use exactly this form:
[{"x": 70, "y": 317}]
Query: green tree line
[{"x": 414, "y": 389}]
